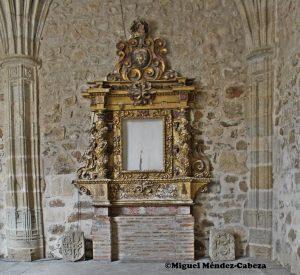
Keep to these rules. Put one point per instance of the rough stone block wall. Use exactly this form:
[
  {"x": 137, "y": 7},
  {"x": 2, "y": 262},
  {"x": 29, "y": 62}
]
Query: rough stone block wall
[
  {"x": 205, "y": 41},
  {"x": 286, "y": 221}
]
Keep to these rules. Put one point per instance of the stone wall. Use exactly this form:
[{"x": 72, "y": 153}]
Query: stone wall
[
  {"x": 286, "y": 221},
  {"x": 2, "y": 169},
  {"x": 205, "y": 41}
]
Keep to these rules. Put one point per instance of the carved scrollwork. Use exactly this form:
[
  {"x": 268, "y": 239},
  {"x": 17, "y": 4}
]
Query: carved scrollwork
[
  {"x": 84, "y": 190},
  {"x": 201, "y": 165},
  {"x": 141, "y": 57},
  {"x": 170, "y": 74},
  {"x": 95, "y": 157}
]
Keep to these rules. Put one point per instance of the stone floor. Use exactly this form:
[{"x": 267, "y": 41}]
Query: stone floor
[{"x": 56, "y": 267}]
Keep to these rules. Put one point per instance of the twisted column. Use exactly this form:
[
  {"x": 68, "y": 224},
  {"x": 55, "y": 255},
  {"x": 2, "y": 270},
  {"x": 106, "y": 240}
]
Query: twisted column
[{"x": 181, "y": 144}]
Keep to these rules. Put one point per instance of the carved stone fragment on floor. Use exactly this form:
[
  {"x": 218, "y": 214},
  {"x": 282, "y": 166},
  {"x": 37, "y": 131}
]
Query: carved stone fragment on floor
[
  {"x": 221, "y": 245},
  {"x": 72, "y": 246}
]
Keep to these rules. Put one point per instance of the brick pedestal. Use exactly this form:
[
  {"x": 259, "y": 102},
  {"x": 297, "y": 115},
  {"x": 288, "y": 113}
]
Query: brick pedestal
[
  {"x": 101, "y": 234},
  {"x": 143, "y": 233}
]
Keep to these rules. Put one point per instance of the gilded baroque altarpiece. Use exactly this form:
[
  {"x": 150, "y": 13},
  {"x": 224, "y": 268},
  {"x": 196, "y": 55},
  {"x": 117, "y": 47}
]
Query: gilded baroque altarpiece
[{"x": 142, "y": 87}]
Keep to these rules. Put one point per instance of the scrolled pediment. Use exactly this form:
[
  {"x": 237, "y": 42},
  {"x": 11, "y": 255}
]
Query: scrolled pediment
[{"x": 141, "y": 58}]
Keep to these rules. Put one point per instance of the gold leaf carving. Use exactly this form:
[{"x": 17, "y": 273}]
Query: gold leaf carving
[
  {"x": 95, "y": 157},
  {"x": 201, "y": 165},
  {"x": 141, "y": 93},
  {"x": 181, "y": 144},
  {"x": 143, "y": 190},
  {"x": 141, "y": 87}
]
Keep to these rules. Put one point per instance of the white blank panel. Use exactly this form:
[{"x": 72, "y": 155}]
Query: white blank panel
[{"x": 143, "y": 144}]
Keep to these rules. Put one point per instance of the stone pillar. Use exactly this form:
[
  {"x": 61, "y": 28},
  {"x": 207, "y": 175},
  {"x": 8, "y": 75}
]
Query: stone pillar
[
  {"x": 258, "y": 210},
  {"x": 21, "y": 24},
  {"x": 258, "y": 18},
  {"x": 23, "y": 207}
]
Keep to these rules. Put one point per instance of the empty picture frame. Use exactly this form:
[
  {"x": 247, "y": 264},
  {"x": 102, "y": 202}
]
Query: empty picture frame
[{"x": 143, "y": 144}]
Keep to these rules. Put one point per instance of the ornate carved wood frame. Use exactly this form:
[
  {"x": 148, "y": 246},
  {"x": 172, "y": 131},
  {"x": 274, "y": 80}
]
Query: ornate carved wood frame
[
  {"x": 140, "y": 87},
  {"x": 166, "y": 116}
]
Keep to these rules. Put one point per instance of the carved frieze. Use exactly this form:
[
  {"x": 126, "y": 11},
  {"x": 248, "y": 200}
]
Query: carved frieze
[{"x": 143, "y": 190}]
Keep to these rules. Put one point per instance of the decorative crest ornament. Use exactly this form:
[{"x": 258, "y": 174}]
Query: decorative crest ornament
[{"x": 141, "y": 57}]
